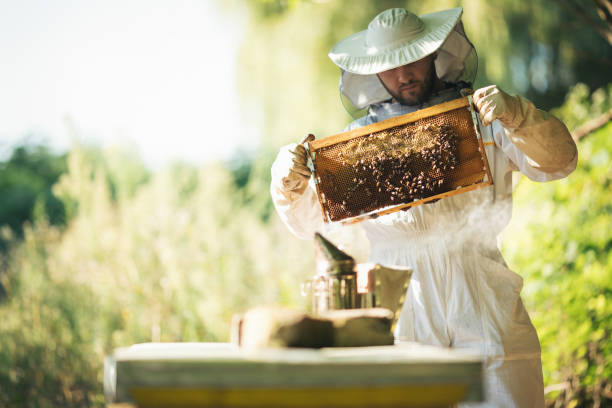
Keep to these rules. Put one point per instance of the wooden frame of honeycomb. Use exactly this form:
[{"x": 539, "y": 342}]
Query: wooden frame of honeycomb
[{"x": 399, "y": 163}]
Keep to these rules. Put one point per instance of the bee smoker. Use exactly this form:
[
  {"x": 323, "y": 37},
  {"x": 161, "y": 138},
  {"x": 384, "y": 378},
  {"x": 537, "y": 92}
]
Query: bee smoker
[
  {"x": 335, "y": 284},
  {"x": 340, "y": 283}
]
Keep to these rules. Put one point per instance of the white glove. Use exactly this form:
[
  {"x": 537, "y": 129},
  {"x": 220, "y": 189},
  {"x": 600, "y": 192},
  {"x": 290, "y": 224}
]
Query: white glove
[
  {"x": 493, "y": 103},
  {"x": 543, "y": 138},
  {"x": 295, "y": 172},
  {"x": 295, "y": 203}
]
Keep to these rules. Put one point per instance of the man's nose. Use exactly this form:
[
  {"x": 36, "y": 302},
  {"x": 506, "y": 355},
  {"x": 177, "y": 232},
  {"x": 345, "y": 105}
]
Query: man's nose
[{"x": 404, "y": 73}]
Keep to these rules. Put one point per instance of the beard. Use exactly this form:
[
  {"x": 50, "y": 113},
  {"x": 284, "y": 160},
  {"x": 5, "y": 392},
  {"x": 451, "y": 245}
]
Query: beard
[{"x": 414, "y": 92}]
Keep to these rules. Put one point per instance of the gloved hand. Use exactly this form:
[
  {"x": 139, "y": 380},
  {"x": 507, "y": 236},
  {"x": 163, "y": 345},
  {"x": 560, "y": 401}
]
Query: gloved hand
[
  {"x": 543, "y": 138},
  {"x": 296, "y": 175},
  {"x": 493, "y": 103}
]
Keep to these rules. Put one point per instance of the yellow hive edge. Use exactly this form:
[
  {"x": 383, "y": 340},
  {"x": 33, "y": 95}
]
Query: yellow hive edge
[
  {"x": 439, "y": 395},
  {"x": 388, "y": 123}
]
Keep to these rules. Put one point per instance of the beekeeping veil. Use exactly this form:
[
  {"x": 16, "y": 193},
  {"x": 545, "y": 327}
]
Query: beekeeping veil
[{"x": 397, "y": 37}]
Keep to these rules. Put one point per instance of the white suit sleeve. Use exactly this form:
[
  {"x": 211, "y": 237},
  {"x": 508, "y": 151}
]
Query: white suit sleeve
[
  {"x": 299, "y": 212},
  {"x": 543, "y": 151}
]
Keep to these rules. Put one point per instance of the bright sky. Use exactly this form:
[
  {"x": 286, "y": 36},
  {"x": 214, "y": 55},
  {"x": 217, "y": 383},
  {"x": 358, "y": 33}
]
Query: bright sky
[{"x": 157, "y": 75}]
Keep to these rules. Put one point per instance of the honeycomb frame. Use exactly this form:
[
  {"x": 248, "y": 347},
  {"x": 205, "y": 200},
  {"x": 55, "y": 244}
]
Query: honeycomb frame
[{"x": 346, "y": 167}]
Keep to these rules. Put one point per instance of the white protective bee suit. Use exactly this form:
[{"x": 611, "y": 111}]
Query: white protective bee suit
[{"x": 461, "y": 294}]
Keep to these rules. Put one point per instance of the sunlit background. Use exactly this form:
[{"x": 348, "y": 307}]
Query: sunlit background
[
  {"x": 136, "y": 139},
  {"x": 149, "y": 75}
]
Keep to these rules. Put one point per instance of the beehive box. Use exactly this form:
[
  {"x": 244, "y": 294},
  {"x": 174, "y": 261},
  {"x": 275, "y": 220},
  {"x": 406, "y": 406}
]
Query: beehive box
[{"x": 399, "y": 163}]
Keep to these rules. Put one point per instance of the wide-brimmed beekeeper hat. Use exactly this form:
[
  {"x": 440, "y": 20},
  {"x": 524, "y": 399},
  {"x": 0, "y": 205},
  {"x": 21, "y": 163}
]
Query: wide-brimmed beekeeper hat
[{"x": 398, "y": 37}]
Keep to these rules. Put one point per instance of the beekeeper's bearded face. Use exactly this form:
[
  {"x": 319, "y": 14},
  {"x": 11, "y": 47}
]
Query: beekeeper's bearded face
[{"x": 412, "y": 83}]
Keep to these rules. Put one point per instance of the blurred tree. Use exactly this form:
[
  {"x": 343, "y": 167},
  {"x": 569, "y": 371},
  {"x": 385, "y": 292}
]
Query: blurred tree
[
  {"x": 560, "y": 239},
  {"x": 584, "y": 112},
  {"x": 602, "y": 26},
  {"x": 28, "y": 175},
  {"x": 171, "y": 261},
  {"x": 26, "y": 180},
  {"x": 538, "y": 49},
  {"x": 122, "y": 170},
  {"x": 251, "y": 174}
]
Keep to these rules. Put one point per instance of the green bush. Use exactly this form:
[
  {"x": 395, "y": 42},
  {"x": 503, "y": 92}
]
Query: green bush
[
  {"x": 171, "y": 260},
  {"x": 26, "y": 179},
  {"x": 560, "y": 240},
  {"x": 48, "y": 335}
]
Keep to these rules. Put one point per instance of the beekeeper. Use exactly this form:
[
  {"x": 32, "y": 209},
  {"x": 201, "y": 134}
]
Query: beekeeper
[{"x": 462, "y": 294}]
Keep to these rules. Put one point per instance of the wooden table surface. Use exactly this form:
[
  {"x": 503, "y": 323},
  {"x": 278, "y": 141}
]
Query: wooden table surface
[{"x": 222, "y": 375}]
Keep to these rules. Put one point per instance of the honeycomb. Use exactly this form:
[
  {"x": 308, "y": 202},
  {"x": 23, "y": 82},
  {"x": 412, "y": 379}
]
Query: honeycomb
[{"x": 399, "y": 163}]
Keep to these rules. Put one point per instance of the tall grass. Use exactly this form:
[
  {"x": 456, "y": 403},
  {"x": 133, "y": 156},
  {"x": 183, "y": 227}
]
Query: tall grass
[{"x": 167, "y": 257}]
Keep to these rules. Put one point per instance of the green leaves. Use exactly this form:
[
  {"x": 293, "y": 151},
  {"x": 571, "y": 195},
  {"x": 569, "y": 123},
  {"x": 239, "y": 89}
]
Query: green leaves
[
  {"x": 560, "y": 240},
  {"x": 166, "y": 257},
  {"x": 26, "y": 178}
]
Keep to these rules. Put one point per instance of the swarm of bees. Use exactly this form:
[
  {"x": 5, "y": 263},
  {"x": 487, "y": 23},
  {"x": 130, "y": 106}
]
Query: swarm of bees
[{"x": 390, "y": 167}]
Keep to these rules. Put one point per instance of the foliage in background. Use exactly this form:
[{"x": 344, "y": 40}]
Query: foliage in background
[
  {"x": 560, "y": 240},
  {"x": 51, "y": 330},
  {"x": 535, "y": 48},
  {"x": 26, "y": 178},
  {"x": 170, "y": 261},
  {"x": 581, "y": 105}
]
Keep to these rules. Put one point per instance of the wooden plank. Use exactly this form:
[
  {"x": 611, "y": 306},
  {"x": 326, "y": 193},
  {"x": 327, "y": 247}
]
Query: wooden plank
[
  {"x": 483, "y": 151},
  {"x": 392, "y": 122},
  {"x": 422, "y": 395},
  {"x": 472, "y": 167},
  {"x": 223, "y": 366}
]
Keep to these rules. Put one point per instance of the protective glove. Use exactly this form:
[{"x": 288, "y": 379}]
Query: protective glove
[
  {"x": 296, "y": 204},
  {"x": 493, "y": 103},
  {"x": 295, "y": 176},
  {"x": 543, "y": 138}
]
